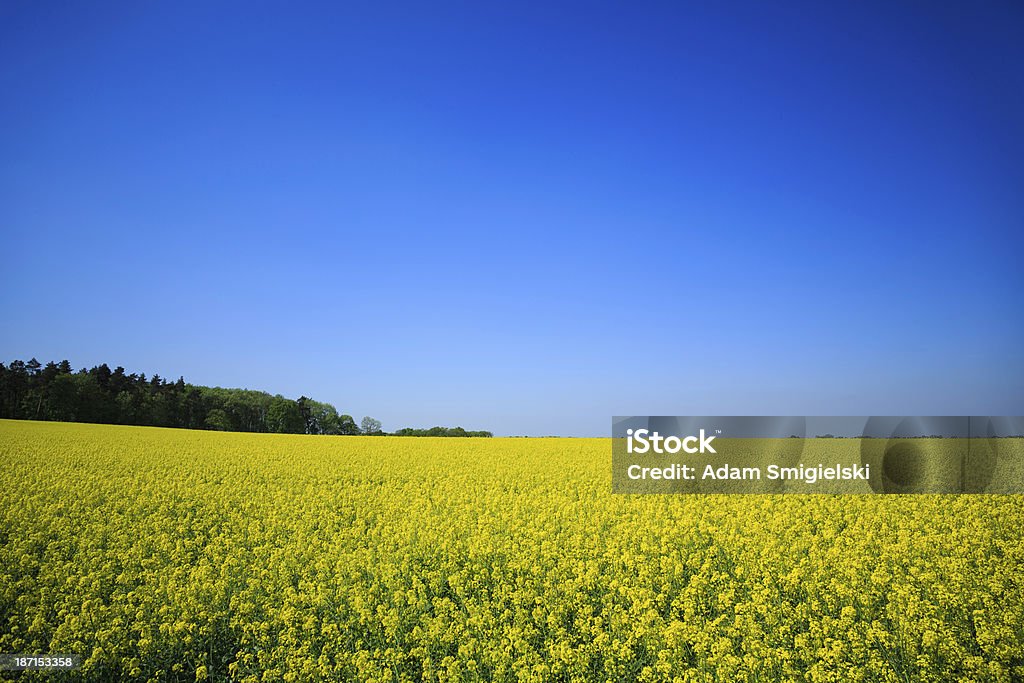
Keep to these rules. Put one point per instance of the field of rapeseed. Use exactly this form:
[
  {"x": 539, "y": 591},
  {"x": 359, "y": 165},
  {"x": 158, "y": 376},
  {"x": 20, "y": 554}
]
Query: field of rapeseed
[{"x": 165, "y": 555}]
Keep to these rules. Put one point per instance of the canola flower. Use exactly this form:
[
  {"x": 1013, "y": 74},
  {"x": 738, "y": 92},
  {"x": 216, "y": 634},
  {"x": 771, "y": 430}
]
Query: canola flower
[{"x": 166, "y": 555}]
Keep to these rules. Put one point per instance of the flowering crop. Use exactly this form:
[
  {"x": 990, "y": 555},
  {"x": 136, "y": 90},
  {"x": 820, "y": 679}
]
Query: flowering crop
[{"x": 166, "y": 555}]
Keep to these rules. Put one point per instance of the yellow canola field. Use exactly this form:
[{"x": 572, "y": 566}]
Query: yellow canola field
[{"x": 170, "y": 555}]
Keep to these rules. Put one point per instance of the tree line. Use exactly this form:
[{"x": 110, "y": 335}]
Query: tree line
[
  {"x": 33, "y": 391},
  {"x": 439, "y": 431}
]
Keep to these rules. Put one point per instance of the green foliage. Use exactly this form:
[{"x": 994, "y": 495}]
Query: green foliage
[
  {"x": 347, "y": 425},
  {"x": 370, "y": 426},
  {"x": 31, "y": 391},
  {"x": 217, "y": 419},
  {"x": 441, "y": 431},
  {"x": 284, "y": 417}
]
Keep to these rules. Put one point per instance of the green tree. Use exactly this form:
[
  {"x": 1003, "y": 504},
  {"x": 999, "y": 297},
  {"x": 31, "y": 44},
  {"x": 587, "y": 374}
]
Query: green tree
[
  {"x": 347, "y": 425},
  {"x": 218, "y": 420},
  {"x": 63, "y": 398},
  {"x": 370, "y": 426},
  {"x": 284, "y": 417}
]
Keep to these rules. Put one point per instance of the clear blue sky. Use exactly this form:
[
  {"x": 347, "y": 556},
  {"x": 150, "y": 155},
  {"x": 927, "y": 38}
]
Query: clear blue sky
[{"x": 524, "y": 217}]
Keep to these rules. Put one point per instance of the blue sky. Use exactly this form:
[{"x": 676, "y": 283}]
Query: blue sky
[{"x": 523, "y": 217}]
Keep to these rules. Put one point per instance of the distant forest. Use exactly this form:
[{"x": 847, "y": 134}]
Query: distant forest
[{"x": 33, "y": 391}]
